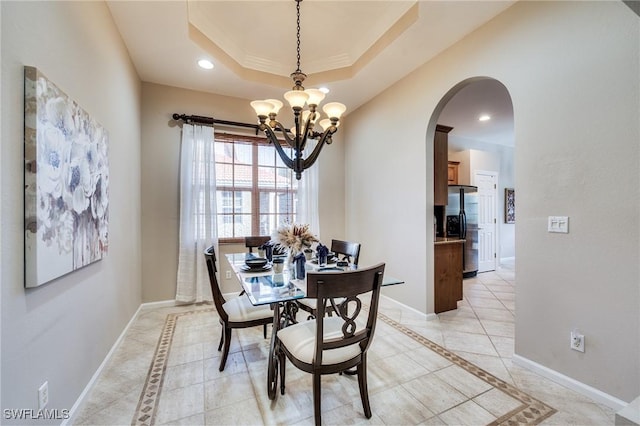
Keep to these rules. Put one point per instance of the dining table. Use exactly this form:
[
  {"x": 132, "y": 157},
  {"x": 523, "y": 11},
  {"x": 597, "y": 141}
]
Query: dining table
[{"x": 281, "y": 290}]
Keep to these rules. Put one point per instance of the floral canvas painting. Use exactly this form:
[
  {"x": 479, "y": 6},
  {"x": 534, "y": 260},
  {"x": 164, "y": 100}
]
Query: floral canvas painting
[{"x": 66, "y": 183}]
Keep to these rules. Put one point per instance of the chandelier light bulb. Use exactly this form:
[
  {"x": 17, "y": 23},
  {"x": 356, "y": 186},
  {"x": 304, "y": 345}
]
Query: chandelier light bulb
[
  {"x": 262, "y": 108},
  {"x": 315, "y": 96},
  {"x": 276, "y": 105},
  {"x": 325, "y": 124},
  {"x": 296, "y": 98},
  {"x": 334, "y": 109}
]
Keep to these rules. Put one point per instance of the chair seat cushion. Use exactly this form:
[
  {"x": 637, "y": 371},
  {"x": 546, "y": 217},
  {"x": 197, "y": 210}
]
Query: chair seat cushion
[
  {"x": 240, "y": 309},
  {"x": 299, "y": 339}
]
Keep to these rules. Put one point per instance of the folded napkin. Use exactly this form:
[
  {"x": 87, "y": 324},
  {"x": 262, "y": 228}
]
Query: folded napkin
[
  {"x": 323, "y": 252},
  {"x": 299, "y": 262}
]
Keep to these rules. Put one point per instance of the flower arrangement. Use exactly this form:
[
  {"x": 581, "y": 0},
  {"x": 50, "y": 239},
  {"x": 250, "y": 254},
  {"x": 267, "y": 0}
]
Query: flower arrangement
[{"x": 294, "y": 237}]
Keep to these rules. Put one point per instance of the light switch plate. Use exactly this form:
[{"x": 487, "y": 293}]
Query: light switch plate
[{"x": 558, "y": 224}]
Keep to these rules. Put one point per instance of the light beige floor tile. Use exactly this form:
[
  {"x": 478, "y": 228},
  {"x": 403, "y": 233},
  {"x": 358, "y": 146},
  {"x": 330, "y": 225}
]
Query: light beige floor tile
[
  {"x": 241, "y": 413},
  {"x": 227, "y": 390},
  {"x": 494, "y": 314},
  {"x": 504, "y": 345},
  {"x": 398, "y": 406},
  {"x": 580, "y": 413},
  {"x": 463, "y": 381},
  {"x": 478, "y": 293},
  {"x": 500, "y": 287},
  {"x": 435, "y": 394},
  {"x": 184, "y": 354},
  {"x": 118, "y": 412},
  {"x": 468, "y": 325},
  {"x": 469, "y": 342},
  {"x": 183, "y": 375},
  {"x": 235, "y": 364},
  {"x": 498, "y": 328},
  {"x": 504, "y": 295},
  {"x": 497, "y": 402},
  {"x": 462, "y": 312},
  {"x": 433, "y": 421},
  {"x": 399, "y": 368},
  {"x": 483, "y": 302},
  {"x": 468, "y": 413},
  {"x": 428, "y": 359},
  {"x": 181, "y": 402},
  {"x": 430, "y": 332},
  {"x": 347, "y": 415}
]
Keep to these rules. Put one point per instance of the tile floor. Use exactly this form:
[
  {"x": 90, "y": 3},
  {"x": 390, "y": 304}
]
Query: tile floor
[{"x": 420, "y": 372}]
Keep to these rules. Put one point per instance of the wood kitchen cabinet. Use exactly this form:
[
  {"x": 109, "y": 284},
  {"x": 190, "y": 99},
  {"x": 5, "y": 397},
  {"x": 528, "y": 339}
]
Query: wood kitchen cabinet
[
  {"x": 448, "y": 274},
  {"x": 440, "y": 165},
  {"x": 452, "y": 172}
]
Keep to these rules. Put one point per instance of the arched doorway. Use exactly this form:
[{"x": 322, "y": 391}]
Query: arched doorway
[{"x": 481, "y": 147}]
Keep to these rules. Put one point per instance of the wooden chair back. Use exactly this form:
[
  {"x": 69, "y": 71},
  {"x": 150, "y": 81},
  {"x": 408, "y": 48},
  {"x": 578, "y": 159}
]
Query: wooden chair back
[
  {"x": 255, "y": 241},
  {"x": 351, "y": 285},
  {"x": 346, "y": 250},
  {"x": 218, "y": 298}
]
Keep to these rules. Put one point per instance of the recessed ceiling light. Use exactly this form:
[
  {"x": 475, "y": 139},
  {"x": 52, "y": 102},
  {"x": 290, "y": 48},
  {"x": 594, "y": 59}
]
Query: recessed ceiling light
[
  {"x": 484, "y": 117},
  {"x": 324, "y": 90},
  {"x": 206, "y": 64}
]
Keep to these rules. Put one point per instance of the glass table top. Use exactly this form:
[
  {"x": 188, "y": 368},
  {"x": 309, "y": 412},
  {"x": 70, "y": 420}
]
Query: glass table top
[{"x": 264, "y": 286}]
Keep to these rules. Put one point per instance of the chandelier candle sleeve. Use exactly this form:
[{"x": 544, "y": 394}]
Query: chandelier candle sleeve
[{"x": 305, "y": 120}]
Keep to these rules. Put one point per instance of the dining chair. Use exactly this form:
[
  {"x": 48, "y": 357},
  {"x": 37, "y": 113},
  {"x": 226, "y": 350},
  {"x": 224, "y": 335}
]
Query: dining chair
[
  {"x": 234, "y": 313},
  {"x": 344, "y": 250},
  {"x": 337, "y": 343},
  {"x": 255, "y": 241}
]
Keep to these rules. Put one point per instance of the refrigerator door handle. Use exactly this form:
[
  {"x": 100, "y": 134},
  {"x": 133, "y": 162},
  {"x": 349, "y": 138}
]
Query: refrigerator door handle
[{"x": 463, "y": 224}]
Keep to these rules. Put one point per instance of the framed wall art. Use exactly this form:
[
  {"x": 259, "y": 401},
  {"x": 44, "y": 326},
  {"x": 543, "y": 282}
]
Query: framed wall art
[
  {"x": 509, "y": 205},
  {"x": 66, "y": 183}
]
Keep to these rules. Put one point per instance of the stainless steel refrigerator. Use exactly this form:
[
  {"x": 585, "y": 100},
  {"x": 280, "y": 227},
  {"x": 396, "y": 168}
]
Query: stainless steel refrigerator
[{"x": 462, "y": 220}]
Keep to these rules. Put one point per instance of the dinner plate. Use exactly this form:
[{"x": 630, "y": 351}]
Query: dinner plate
[{"x": 246, "y": 268}]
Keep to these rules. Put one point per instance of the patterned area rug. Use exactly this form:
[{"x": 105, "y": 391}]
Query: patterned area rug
[{"x": 530, "y": 412}]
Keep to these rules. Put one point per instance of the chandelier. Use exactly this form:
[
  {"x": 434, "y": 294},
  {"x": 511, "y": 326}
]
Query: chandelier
[{"x": 305, "y": 120}]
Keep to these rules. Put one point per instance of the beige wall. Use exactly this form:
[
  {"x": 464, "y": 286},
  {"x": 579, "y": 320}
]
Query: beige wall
[
  {"x": 62, "y": 331},
  {"x": 571, "y": 69},
  {"x": 160, "y": 181}
]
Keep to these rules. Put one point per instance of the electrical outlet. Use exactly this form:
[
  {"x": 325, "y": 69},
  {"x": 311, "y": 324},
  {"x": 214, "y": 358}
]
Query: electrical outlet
[
  {"x": 43, "y": 395},
  {"x": 577, "y": 341},
  {"x": 228, "y": 275}
]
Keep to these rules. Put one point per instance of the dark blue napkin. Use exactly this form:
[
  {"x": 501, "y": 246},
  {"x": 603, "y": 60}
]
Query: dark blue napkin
[{"x": 323, "y": 252}]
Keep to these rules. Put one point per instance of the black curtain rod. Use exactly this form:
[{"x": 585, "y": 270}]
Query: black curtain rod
[{"x": 210, "y": 121}]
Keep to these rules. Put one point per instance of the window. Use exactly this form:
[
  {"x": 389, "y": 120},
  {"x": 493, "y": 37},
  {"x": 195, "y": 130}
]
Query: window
[{"x": 255, "y": 191}]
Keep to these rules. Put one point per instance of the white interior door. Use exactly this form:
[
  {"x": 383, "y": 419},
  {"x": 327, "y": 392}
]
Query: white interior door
[{"x": 487, "y": 183}]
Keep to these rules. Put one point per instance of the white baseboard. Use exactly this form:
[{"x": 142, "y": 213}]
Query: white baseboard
[
  {"x": 427, "y": 317},
  {"x": 566, "y": 381},
  {"x": 95, "y": 376},
  {"x": 160, "y": 304}
]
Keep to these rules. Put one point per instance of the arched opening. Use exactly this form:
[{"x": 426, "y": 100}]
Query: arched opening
[{"x": 475, "y": 119}]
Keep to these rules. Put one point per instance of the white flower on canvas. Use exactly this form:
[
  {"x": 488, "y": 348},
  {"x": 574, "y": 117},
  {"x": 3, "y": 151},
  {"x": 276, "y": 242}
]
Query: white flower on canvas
[{"x": 52, "y": 159}]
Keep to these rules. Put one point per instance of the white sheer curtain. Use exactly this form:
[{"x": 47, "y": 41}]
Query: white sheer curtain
[
  {"x": 197, "y": 213},
  {"x": 308, "y": 194}
]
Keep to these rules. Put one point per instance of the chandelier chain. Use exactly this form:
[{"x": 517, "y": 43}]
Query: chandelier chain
[{"x": 298, "y": 33}]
